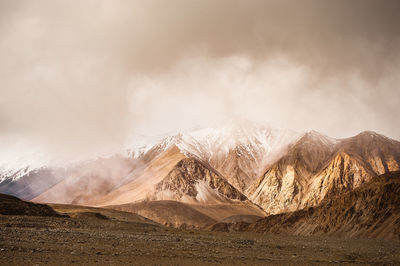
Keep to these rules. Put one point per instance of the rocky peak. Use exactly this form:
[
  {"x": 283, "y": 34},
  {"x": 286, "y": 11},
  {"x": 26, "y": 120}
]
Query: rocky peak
[
  {"x": 310, "y": 153},
  {"x": 192, "y": 180},
  {"x": 381, "y": 153},
  {"x": 344, "y": 173}
]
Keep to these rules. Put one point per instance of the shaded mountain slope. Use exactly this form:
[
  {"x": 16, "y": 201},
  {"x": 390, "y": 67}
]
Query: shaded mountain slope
[
  {"x": 10, "y": 205},
  {"x": 372, "y": 211},
  {"x": 32, "y": 183}
]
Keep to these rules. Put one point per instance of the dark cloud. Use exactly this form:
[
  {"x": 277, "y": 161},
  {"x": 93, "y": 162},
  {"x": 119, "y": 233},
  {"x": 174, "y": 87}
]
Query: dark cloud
[{"x": 79, "y": 77}]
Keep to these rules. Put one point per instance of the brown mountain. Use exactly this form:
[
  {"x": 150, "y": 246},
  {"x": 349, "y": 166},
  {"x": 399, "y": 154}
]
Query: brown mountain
[
  {"x": 142, "y": 186},
  {"x": 193, "y": 181},
  {"x": 169, "y": 182},
  {"x": 239, "y": 165},
  {"x": 317, "y": 167},
  {"x": 173, "y": 176},
  {"x": 240, "y": 152},
  {"x": 208, "y": 169},
  {"x": 371, "y": 210}
]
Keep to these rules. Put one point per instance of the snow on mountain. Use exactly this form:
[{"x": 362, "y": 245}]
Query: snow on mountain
[
  {"x": 239, "y": 151},
  {"x": 14, "y": 170},
  {"x": 13, "y": 174},
  {"x": 209, "y": 143}
]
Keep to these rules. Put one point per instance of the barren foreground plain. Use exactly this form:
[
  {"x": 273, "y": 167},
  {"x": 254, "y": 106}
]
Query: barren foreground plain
[{"x": 101, "y": 236}]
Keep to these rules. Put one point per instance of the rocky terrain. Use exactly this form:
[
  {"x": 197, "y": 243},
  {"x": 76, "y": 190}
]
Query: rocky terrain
[
  {"x": 372, "y": 210},
  {"x": 318, "y": 167},
  {"x": 90, "y": 236},
  {"x": 193, "y": 181}
]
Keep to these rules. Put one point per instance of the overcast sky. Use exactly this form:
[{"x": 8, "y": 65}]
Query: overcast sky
[{"x": 79, "y": 77}]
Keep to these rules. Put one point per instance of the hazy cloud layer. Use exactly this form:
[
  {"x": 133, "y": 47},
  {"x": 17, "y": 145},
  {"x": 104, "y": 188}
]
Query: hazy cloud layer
[{"x": 77, "y": 78}]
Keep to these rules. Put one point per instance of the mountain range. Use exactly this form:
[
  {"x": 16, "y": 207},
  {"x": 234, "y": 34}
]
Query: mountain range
[{"x": 203, "y": 177}]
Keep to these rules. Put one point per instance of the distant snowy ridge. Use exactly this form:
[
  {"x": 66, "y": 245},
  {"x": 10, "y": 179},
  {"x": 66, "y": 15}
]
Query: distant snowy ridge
[{"x": 211, "y": 145}]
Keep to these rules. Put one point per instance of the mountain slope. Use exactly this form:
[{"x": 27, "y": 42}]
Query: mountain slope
[
  {"x": 87, "y": 182},
  {"x": 381, "y": 154},
  {"x": 279, "y": 170},
  {"x": 317, "y": 167},
  {"x": 344, "y": 173},
  {"x": 173, "y": 176},
  {"x": 372, "y": 210},
  {"x": 142, "y": 186},
  {"x": 10, "y": 205},
  {"x": 72, "y": 180},
  {"x": 193, "y": 181},
  {"x": 27, "y": 184},
  {"x": 191, "y": 195},
  {"x": 284, "y": 184},
  {"x": 239, "y": 151}
]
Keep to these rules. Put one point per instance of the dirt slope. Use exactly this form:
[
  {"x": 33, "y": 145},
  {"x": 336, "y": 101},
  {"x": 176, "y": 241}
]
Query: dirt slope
[
  {"x": 221, "y": 211},
  {"x": 167, "y": 212},
  {"x": 84, "y": 212}
]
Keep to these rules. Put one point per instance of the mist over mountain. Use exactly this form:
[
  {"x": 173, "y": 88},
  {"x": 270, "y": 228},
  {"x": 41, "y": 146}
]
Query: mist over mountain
[
  {"x": 79, "y": 79},
  {"x": 229, "y": 168}
]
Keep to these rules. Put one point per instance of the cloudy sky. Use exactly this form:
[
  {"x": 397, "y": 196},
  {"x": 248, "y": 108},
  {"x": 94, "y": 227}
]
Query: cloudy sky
[{"x": 80, "y": 77}]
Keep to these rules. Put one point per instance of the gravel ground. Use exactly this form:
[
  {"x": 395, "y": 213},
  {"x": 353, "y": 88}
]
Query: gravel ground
[{"x": 91, "y": 240}]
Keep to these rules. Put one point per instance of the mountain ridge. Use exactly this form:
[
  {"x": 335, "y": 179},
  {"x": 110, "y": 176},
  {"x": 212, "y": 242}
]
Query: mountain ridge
[
  {"x": 209, "y": 166},
  {"x": 371, "y": 210},
  {"x": 314, "y": 162}
]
